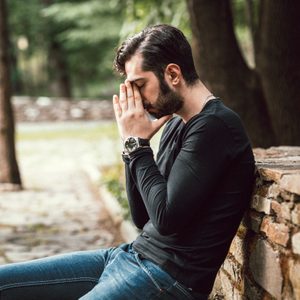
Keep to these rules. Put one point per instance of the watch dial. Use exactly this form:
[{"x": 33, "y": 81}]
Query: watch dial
[{"x": 131, "y": 144}]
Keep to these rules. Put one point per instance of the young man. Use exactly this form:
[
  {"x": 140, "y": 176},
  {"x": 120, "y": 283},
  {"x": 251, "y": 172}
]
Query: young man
[{"x": 188, "y": 202}]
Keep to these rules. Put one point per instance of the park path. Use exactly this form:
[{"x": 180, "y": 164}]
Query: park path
[{"x": 60, "y": 209}]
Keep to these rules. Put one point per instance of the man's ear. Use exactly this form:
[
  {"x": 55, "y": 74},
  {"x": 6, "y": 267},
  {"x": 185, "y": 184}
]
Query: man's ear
[{"x": 173, "y": 74}]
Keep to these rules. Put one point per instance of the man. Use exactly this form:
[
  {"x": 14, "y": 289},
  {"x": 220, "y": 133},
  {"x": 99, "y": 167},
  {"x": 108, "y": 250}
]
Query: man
[{"x": 188, "y": 202}]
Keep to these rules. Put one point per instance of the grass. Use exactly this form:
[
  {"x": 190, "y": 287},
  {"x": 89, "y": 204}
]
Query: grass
[{"x": 105, "y": 130}]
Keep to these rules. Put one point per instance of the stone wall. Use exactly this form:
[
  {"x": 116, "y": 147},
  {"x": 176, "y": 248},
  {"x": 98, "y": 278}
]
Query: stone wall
[
  {"x": 264, "y": 259},
  {"x": 45, "y": 109}
]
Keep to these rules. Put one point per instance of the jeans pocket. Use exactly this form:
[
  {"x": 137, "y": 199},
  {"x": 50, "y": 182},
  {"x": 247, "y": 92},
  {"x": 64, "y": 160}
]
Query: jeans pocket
[{"x": 148, "y": 272}]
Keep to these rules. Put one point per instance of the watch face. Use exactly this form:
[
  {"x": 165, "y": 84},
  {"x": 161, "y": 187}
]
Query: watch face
[{"x": 131, "y": 144}]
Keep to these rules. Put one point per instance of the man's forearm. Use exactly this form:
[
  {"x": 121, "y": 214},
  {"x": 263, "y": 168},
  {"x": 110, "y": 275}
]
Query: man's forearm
[{"x": 137, "y": 207}]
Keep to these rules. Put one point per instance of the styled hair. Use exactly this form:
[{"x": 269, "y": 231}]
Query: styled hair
[{"x": 159, "y": 45}]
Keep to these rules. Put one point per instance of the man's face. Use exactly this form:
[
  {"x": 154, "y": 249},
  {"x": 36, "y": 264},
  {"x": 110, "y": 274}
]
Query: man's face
[{"x": 158, "y": 98}]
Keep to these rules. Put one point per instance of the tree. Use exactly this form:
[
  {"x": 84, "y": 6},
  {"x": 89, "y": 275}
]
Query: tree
[
  {"x": 9, "y": 171},
  {"x": 267, "y": 95},
  {"x": 57, "y": 58}
]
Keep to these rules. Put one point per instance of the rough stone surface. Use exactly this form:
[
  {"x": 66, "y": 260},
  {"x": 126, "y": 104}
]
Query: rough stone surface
[
  {"x": 277, "y": 233},
  {"x": 237, "y": 249},
  {"x": 229, "y": 290},
  {"x": 255, "y": 221},
  {"x": 261, "y": 204},
  {"x": 296, "y": 215},
  {"x": 269, "y": 174},
  {"x": 234, "y": 270},
  {"x": 282, "y": 210},
  {"x": 251, "y": 291},
  {"x": 264, "y": 261},
  {"x": 291, "y": 183},
  {"x": 294, "y": 273},
  {"x": 273, "y": 191},
  {"x": 296, "y": 243}
]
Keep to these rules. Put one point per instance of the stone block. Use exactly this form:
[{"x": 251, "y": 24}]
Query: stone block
[
  {"x": 251, "y": 290},
  {"x": 255, "y": 220},
  {"x": 282, "y": 210},
  {"x": 270, "y": 173},
  {"x": 277, "y": 233},
  {"x": 261, "y": 204},
  {"x": 273, "y": 191},
  {"x": 294, "y": 274},
  {"x": 237, "y": 249},
  {"x": 262, "y": 190},
  {"x": 296, "y": 243},
  {"x": 234, "y": 270},
  {"x": 228, "y": 290},
  {"x": 291, "y": 183},
  {"x": 265, "y": 268},
  {"x": 296, "y": 215},
  {"x": 287, "y": 196}
]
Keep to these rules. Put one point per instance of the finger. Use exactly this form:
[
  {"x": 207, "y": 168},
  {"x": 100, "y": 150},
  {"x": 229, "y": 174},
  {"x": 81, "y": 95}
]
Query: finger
[
  {"x": 137, "y": 98},
  {"x": 130, "y": 99},
  {"x": 123, "y": 97},
  {"x": 117, "y": 107}
]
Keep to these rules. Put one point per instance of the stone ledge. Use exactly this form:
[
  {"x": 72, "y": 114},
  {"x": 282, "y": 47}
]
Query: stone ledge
[{"x": 281, "y": 165}]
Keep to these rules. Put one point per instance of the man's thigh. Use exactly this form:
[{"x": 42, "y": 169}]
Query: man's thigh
[
  {"x": 66, "y": 276},
  {"x": 129, "y": 277}
]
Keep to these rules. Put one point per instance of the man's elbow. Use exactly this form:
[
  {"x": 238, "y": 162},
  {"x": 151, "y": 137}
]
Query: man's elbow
[{"x": 139, "y": 223}]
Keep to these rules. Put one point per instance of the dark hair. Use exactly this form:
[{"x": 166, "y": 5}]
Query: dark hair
[{"x": 159, "y": 45}]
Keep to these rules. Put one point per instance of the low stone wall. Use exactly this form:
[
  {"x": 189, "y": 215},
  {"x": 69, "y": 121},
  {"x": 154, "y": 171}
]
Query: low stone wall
[
  {"x": 45, "y": 109},
  {"x": 264, "y": 259}
]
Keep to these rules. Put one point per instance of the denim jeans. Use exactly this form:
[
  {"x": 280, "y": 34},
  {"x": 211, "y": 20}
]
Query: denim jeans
[{"x": 112, "y": 274}]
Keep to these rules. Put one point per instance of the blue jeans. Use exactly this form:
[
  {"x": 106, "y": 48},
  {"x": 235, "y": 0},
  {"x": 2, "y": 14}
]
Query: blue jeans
[{"x": 111, "y": 274}]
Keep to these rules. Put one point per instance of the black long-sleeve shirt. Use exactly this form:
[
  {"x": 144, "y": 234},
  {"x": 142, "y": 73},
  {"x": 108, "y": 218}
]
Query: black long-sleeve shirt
[{"x": 190, "y": 201}]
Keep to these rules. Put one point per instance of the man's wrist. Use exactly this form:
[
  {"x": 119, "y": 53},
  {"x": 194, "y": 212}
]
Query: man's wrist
[
  {"x": 127, "y": 157},
  {"x": 133, "y": 143}
]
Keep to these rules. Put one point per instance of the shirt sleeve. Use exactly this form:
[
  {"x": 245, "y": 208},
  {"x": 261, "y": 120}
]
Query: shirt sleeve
[
  {"x": 204, "y": 156},
  {"x": 137, "y": 207}
]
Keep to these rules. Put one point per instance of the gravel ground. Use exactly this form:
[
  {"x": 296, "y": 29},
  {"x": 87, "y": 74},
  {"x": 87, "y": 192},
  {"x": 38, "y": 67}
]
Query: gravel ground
[{"x": 59, "y": 209}]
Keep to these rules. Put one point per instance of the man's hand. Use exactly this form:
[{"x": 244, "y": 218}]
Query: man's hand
[{"x": 132, "y": 119}]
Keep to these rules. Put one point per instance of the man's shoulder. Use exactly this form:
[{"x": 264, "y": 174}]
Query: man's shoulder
[{"x": 217, "y": 112}]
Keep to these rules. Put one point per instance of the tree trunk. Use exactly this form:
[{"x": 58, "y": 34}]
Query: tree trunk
[
  {"x": 9, "y": 171},
  {"x": 223, "y": 69},
  {"x": 59, "y": 70},
  {"x": 57, "y": 62},
  {"x": 278, "y": 63}
]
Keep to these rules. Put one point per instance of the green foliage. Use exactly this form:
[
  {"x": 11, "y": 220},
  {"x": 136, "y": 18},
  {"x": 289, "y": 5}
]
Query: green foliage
[
  {"x": 113, "y": 179},
  {"x": 90, "y": 21},
  {"x": 140, "y": 14},
  {"x": 87, "y": 33}
]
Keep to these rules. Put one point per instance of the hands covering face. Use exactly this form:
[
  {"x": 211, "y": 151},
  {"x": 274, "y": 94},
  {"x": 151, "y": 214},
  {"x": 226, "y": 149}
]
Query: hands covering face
[{"x": 132, "y": 118}]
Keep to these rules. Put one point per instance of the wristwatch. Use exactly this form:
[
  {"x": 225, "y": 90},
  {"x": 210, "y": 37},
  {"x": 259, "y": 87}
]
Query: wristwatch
[{"x": 133, "y": 143}]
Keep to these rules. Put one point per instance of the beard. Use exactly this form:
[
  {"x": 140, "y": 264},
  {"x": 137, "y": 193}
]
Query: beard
[{"x": 167, "y": 102}]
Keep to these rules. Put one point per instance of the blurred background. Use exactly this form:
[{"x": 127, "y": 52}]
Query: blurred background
[
  {"x": 66, "y": 48},
  {"x": 56, "y": 85}
]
